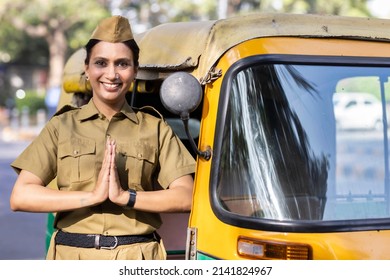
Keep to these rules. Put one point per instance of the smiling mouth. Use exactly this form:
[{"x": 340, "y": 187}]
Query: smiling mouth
[{"x": 112, "y": 86}]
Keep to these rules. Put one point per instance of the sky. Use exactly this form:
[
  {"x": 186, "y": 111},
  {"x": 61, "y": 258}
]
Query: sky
[{"x": 380, "y": 8}]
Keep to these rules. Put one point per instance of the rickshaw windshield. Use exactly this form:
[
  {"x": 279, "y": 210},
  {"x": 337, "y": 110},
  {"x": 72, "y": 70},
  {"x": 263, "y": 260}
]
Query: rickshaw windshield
[{"x": 305, "y": 142}]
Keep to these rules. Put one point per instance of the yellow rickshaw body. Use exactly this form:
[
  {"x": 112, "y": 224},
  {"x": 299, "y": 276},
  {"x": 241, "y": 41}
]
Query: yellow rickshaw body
[{"x": 218, "y": 240}]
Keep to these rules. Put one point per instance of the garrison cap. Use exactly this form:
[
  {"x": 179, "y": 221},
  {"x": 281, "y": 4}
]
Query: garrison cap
[{"x": 115, "y": 29}]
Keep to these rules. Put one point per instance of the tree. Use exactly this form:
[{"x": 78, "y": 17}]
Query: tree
[
  {"x": 63, "y": 24},
  {"x": 153, "y": 12},
  {"x": 332, "y": 7},
  {"x": 60, "y": 23}
]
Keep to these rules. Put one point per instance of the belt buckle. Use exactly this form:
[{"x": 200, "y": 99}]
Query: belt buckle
[{"x": 97, "y": 243}]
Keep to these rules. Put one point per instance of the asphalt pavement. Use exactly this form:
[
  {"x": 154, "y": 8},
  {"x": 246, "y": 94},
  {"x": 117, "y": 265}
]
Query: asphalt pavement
[{"x": 22, "y": 235}]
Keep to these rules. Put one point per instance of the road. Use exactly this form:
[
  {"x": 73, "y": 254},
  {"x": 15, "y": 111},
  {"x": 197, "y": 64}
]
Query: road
[{"x": 22, "y": 234}]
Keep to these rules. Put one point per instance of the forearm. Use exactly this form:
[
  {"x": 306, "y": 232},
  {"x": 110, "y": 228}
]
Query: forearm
[
  {"x": 170, "y": 200},
  {"x": 30, "y": 195},
  {"x": 177, "y": 198},
  {"x": 35, "y": 198}
]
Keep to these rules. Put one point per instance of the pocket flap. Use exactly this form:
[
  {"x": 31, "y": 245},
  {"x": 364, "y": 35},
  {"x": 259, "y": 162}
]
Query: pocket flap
[
  {"x": 138, "y": 151},
  {"x": 76, "y": 147}
]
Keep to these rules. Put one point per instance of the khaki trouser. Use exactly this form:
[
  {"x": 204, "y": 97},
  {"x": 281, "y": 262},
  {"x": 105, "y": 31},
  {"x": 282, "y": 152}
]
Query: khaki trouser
[{"x": 139, "y": 251}]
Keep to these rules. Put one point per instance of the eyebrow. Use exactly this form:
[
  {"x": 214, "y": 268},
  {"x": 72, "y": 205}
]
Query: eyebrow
[{"x": 116, "y": 60}]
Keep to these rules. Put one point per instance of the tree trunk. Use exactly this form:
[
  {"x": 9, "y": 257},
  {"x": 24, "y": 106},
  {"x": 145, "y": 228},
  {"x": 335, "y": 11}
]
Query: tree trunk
[{"x": 57, "y": 52}]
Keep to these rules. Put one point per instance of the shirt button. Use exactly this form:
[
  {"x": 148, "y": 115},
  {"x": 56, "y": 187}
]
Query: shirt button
[
  {"x": 140, "y": 155},
  {"x": 75, "y": 152}
]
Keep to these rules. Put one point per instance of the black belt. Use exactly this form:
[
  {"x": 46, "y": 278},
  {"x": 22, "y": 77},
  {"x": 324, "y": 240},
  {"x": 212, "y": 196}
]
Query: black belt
[{"x": 99, "y": 241}]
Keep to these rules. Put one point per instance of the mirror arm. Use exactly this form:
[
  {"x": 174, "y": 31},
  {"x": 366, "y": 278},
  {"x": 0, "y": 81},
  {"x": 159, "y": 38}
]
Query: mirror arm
[
  {"x": 204, "y": 154},
  {"x": 181, "y": 93}
]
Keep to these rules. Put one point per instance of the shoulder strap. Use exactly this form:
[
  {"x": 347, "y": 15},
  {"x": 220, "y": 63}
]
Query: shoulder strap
[
  {"x": 151, "y": 110},
  {"x": 64, "y": 109}
]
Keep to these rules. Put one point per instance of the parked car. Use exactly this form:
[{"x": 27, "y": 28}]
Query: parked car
[{"x": 357, "y": 111}]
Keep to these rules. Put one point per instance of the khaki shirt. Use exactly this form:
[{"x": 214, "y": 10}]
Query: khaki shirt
[{"x": 71, "y": 148}]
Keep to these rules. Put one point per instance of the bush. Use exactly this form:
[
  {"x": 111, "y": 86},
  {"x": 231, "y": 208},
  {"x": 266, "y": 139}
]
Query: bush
[{"x": 33, "y": 101}]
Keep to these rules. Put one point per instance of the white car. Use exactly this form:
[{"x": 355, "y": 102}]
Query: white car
[{"x": 357, "y": 111}]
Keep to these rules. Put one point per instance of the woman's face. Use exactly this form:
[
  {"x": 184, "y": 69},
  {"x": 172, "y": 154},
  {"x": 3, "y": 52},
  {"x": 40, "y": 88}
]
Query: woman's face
[{"x": 111, "y": 71}]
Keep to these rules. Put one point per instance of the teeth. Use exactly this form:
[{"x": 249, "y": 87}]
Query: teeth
[{"x": 110, "y": 85}]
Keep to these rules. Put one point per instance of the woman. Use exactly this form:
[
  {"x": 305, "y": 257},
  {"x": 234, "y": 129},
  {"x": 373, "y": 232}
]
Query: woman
[{"x": 108, "y": 161}]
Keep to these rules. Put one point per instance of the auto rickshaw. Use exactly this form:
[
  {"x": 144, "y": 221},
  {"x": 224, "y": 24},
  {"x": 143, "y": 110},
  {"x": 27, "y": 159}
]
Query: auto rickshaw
[{"x": 253, "y": 98}]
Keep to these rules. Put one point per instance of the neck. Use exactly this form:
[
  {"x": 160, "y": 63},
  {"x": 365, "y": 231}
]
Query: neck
[{"x": 107, "y": 109}]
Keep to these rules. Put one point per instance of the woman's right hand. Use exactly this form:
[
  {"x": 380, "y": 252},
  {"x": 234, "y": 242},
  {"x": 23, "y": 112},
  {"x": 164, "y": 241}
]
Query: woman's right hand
[{"x": 100, "y": 192}]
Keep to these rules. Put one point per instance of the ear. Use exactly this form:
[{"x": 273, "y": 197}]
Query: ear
[
  {"x": 135, "y": 73},
  {"x": 86, "y": 68}
]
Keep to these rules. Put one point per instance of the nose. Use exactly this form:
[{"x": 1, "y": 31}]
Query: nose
[{"x": 111, "y": 73}]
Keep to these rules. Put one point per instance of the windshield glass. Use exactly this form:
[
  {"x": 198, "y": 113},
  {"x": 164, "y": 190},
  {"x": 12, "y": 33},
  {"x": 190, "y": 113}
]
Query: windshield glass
[{"x": 305, "y": 142}]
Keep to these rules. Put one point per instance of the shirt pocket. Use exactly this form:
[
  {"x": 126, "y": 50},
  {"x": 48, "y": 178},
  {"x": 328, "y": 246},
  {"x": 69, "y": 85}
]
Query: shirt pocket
[
  {"x": 76, "y": 158},
  {"x": 136, "y": 164}
]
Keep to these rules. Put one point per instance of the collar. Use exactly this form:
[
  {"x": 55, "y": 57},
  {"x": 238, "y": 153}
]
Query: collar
[{"x": 90, "y": 111}]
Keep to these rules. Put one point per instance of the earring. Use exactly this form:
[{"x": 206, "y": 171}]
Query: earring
[{"x": 87, "y": 78}]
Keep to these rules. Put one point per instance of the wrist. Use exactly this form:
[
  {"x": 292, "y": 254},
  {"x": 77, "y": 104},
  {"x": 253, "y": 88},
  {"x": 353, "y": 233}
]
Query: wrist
[{"x": 132, "y": 197}]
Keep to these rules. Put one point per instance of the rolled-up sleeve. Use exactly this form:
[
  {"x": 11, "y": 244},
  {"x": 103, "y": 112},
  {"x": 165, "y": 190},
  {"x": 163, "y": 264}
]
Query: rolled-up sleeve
[
  {"x": 174, "y": 159},
  {"x": 40, "y": 157}
]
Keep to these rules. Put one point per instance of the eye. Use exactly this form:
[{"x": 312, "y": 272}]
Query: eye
[
  {"x": 124, "y": 64},
  {"x": 100, "y": 63}
]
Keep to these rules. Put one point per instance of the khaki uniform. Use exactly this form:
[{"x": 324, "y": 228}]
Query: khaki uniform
[{"x": 71, "y": 148}]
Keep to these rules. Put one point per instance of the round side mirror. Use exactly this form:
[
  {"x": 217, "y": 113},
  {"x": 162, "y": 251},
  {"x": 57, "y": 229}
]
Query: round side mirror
[{"x": 181, "y": 93}]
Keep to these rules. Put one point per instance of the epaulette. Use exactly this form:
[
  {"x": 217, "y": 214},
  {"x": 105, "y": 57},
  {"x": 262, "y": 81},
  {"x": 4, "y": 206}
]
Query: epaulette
[
  {"x": 64, "y": 109},
  {"x": 150, "y": 110}
]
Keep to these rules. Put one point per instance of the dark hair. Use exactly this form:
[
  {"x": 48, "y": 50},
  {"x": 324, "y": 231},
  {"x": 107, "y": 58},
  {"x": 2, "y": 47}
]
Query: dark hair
[{"x": 131, "y": 44}]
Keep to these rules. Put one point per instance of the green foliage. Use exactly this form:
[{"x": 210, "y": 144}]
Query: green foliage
[
  {"x": 11, "y": 42},
  {"x": 6, "y": 96},
  {"x": 330, "y": 7},
  {"x": 33, "y": 101},
  {"x": 28, "y": 28},
  {"x": 154, "y": 12},
  {"x": 77, "y": 18},
  {"x": 26, "y": 24},
  {"x": 362, "y": 84}
]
